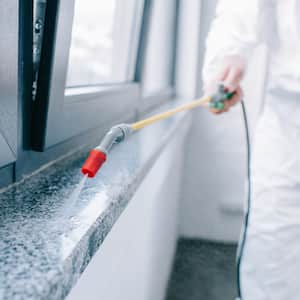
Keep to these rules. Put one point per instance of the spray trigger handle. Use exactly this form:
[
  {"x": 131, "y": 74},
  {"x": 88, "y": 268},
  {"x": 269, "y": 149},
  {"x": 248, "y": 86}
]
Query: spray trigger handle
[{"x": 218, "y": 99}]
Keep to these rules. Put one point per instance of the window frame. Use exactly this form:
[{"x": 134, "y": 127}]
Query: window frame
[
  {"x": 153, "y": 100},
  {"x": 149, "y": 52},
  {"x": 56, "y": 117}
]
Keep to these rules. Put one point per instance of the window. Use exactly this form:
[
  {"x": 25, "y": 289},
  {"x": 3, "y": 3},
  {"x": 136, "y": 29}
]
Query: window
[
  {"x": 88, "y": 62},
  {"x": 101, "y": 45},
  {"x": 99, "y": 59}
]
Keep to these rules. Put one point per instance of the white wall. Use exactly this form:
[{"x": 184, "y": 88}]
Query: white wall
[
  {"x": 135, "y": 260},
  {"x": 215, "y": 165}
]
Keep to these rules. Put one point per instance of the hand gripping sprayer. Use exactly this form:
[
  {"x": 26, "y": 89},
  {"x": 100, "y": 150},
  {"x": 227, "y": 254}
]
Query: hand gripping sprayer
[{"x": 121, "y": 132}]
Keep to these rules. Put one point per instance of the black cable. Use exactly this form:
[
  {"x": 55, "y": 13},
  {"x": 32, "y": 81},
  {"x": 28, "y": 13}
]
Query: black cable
[{"x": 246, "y": 220}]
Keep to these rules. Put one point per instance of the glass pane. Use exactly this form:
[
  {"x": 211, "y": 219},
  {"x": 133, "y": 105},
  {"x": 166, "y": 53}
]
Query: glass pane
[{"x": 101, "y": 37}]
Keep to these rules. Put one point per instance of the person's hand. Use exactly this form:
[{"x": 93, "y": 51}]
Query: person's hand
[{"x": 230, "y": 76}]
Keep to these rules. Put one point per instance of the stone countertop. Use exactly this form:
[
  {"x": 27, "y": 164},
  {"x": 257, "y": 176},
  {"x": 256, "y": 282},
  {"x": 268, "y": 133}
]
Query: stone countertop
[{"x": 49, "y": 231}]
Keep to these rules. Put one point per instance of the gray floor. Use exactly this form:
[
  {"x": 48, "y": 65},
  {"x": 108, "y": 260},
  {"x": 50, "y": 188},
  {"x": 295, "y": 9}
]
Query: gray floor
[{"x": 203, "y": 271}]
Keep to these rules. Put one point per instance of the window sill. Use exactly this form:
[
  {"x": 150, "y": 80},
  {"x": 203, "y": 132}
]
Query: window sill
[
  {"x": 75, "y": 94},
  {"x": 51, "y": 236}
]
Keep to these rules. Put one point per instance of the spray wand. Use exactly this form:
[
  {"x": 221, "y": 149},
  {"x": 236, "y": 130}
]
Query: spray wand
[{"x": 121, "y": 132}]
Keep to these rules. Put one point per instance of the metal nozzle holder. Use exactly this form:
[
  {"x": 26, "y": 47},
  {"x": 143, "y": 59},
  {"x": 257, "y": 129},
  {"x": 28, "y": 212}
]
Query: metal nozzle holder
[{"x": 115, "y": 135}]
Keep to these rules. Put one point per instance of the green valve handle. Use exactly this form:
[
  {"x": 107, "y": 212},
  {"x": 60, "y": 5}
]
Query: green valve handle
[
  {"x": 220, "y": 97},
  {"x": 217, "y": 105}
]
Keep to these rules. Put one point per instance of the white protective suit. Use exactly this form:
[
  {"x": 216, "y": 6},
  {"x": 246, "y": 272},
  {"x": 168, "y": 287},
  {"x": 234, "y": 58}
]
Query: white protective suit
[{"x": 270, "y": 265}]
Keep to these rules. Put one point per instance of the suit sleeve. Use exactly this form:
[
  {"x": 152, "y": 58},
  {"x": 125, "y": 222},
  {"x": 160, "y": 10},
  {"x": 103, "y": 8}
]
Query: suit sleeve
[{"x": 234, "y": 31}]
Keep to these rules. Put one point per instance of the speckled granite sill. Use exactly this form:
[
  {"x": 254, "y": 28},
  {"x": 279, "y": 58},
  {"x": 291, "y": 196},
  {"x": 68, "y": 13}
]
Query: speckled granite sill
[{"x": 48, "y": 236}]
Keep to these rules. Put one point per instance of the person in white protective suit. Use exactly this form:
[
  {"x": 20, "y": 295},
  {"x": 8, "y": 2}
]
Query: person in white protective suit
[{"x": 269, "y": 267}]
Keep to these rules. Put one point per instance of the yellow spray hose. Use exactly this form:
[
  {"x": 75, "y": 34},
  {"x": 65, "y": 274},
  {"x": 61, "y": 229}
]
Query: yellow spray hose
[{"x": 185, "y": 107}]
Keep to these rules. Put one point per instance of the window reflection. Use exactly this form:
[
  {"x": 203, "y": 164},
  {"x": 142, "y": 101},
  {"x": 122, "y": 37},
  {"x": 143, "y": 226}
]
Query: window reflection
[{"x": 98, "y": 45}]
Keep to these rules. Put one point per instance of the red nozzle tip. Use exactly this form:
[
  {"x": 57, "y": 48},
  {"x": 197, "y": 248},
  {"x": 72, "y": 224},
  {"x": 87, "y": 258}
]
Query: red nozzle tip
[{"x": 93, "y": 163}]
